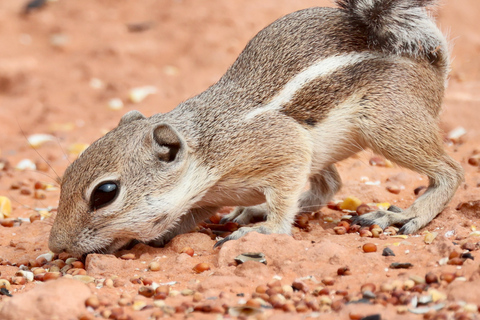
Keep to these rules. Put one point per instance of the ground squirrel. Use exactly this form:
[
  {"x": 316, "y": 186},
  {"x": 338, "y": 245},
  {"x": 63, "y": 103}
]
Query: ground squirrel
[{"x": 311, "y": 89}]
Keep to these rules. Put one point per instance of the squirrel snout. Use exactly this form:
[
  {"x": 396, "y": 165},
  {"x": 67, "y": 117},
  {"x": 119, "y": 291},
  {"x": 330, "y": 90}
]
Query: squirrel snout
[{"x": 56, "y": 246}]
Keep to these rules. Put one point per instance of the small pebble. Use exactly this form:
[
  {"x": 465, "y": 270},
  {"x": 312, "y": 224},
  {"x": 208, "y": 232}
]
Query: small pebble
[
  {"x": 387, "y": 252},
  {"x": 401, "y": 265}
]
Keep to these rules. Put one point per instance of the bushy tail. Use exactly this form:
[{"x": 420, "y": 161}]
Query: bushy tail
[{"x": 399, "y": 26}]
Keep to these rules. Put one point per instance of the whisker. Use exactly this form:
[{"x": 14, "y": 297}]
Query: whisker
[
  {"x": 36, "y": 151},
  {"x": 63, "y": 150}
]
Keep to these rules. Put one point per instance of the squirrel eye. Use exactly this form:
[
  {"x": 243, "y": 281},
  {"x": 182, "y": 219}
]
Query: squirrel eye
[{"x": 104, "y": 194}]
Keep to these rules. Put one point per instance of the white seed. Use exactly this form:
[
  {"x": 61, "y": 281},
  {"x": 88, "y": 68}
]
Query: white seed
[
  {"x": 96, "y": 83},
  {"x": 456, "y": 134},
  {"x": 139, "y": 94},
  {"x": 37, "y": 140},
  {"x": 70, "y": 260},
  {"x": 115, "y": 104},
  {"x": 26, "y": 274},
  {"x": 48, "y": 256},
  {"x": 26, "y": 164}
]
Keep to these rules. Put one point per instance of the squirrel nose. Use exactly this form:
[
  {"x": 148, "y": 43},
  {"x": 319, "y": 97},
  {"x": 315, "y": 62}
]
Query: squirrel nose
[{"x": 55, "y": 245}]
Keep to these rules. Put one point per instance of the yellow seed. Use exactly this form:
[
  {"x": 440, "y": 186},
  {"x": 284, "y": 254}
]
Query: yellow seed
[
  {"x": 383, "y": 205},
  {"x": 401, "y": 236},
  {"x": 5, "y": 284},
  {"x": 69, "y": 126},
  {"x": 154, "y": 266},
  {"x": 5, "y": 206},
  {"x": 436, "y": 295},
  {"x": 44, "y": 213},
  {"x": 350, "y": 203},
  {"x": 139, "y": 305},
  {"x": 77, "y": 148},
  {"x": 429, "y": 237}
]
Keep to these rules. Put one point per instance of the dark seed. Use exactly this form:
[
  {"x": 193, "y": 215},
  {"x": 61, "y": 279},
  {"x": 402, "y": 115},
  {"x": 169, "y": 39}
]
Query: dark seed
[
  {"x": 401, "y": 265},
  {"x": 467, "y": 255}
]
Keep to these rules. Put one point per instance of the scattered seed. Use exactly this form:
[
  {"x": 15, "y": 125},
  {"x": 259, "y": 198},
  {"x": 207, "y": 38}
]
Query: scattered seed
[
  {"x": 34, "y": 217},
  {"x": 456, "y": 261},
  {"x": 197, "y": 297},
  {"x": 429, "y": 237},
  {"x": 340, "y": 230},
  {"x": 365, "y": 208},
  {"x": 5, "y": 207},
  {"x": 344, "y": 271},
  {"x": 84, "y": 278},
  {"x": 328, "y": 281},
  {"x": 369, "y": 247},
  {"x": 26, "y": 164},
  {"x": 201, "y": 267},
  {"x": 431, "y": 278},
  {"x": 39, "y": 194},
  {"x": 8, "y": 223},
  {"x": 138, "y": 94},
  {"x": 350, "y": 203},
  {"x": 376, "y": 232},
  {"x": 51, "y": 276},
  {"x": 188, "y": 251},
  {"x": 394, "y": 189},
  {"x": 146, "y": 291},
  {"x": 302, "y": 222},
  {"x": 300, "y": 286},
  {"x": 154, "y": 266},
  {"x": 92, "y": 302},
  {"x": 456, "y": 135},
  {"x": 365, "y": 233},
  {"x": 128, "y": 256},
  {"x": 25, "y": 191}
]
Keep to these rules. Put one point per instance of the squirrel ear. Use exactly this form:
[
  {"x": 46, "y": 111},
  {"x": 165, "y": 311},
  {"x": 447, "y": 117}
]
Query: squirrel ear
[
  {"x": 167, "y": 142},
  {"x": 131, "y": 116}
]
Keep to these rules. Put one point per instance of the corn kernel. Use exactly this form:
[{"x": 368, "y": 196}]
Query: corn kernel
[
  {"x": 5, "y": 206},
  {"x": 350, "y": 203}
]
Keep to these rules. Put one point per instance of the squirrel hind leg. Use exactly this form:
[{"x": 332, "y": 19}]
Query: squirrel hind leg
[{"x": 415, "y": 144}]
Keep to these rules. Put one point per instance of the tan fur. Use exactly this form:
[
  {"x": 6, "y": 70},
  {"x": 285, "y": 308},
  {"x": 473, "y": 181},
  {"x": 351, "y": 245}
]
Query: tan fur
[{"x": 313, "y": 88}]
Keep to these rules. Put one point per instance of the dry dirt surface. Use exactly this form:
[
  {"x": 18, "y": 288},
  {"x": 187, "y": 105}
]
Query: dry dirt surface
[{"x": 68, "y": 69}]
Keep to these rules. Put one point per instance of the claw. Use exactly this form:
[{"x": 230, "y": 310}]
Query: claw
[
  {"x": 395, "y": 209},
  {"x": 221, "y": 242},
  {"x": 224, "y": 220}
]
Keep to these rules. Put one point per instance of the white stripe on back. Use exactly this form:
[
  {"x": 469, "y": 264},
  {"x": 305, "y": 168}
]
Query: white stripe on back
[{"x": 321, "y": 68}]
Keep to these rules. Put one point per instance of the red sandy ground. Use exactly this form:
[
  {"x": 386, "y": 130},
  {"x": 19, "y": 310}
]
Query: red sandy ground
[{"x": 47, "y": 88}]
